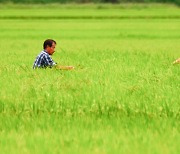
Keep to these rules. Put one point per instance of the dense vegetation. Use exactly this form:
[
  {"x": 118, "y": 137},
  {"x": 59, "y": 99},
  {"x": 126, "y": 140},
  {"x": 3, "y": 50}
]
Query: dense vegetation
[
  {"x": 122, "y": 97},
  {"x": 90, "y": 1}
]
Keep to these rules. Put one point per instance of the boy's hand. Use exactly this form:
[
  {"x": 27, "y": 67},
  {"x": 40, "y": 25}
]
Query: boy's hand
[
  {"x": 70, "y": 67},
  {"x": 177, "y": 61},
  {"x": 65, "y": 67}
]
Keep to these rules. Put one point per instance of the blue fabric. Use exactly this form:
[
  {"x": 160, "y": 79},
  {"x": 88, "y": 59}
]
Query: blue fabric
[{"x": 43, "y": 60}]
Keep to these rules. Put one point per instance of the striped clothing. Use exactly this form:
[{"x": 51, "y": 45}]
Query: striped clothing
[{"x": 43, "y": 60}]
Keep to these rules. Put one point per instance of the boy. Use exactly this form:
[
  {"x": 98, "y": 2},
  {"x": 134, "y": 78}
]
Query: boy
[{"x": 44, "y": 60}]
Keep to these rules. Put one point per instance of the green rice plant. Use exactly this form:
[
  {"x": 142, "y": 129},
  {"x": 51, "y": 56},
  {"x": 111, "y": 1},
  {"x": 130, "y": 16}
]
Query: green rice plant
[{"x": 122, "y": 96}]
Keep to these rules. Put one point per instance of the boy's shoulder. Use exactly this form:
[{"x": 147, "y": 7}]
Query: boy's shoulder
[{"x": 43, "y": 53}]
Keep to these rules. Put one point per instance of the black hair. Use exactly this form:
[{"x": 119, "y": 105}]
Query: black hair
[{"x": 48, "y": 42}]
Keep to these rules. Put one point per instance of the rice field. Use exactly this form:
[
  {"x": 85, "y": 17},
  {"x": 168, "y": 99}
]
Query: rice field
[{"x": 122, "y": 96}]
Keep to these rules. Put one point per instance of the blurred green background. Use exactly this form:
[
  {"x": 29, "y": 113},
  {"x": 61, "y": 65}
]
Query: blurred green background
[{"x": 91, "y": 1}]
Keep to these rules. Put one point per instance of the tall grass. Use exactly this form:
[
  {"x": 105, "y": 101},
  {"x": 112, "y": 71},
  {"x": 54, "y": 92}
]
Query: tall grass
[{"x": 123, "y": 95}]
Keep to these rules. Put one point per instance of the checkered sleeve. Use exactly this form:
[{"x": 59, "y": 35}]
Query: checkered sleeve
[
  {"x": 49, "y": 62},
  {"x": 38, "y": 61}
]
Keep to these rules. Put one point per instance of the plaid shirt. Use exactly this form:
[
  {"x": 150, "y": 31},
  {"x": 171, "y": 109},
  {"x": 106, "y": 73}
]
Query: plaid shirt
[{"x": 43, "y": 60}]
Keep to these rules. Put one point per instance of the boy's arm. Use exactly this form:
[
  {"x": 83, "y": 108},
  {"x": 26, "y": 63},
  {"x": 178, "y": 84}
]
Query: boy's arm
[
  {"x": 64, "y": 67},
  {"x": 177, "y": 61},
  {"x": 49, "y": 62}
]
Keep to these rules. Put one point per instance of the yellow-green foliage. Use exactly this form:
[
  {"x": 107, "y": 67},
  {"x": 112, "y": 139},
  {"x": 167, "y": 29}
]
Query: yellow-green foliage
[{"x": 122, "y": 97}]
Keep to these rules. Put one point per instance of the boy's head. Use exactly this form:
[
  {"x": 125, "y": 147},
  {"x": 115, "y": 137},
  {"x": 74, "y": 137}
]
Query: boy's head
[{"x": 49, "y": 45}]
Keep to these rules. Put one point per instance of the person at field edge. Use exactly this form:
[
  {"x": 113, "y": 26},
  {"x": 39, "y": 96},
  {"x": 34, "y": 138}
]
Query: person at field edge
[{"x": 44, "y": 60}]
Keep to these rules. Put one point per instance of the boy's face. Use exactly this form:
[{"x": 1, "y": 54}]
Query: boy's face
[{"x": 51, "y": 49}]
